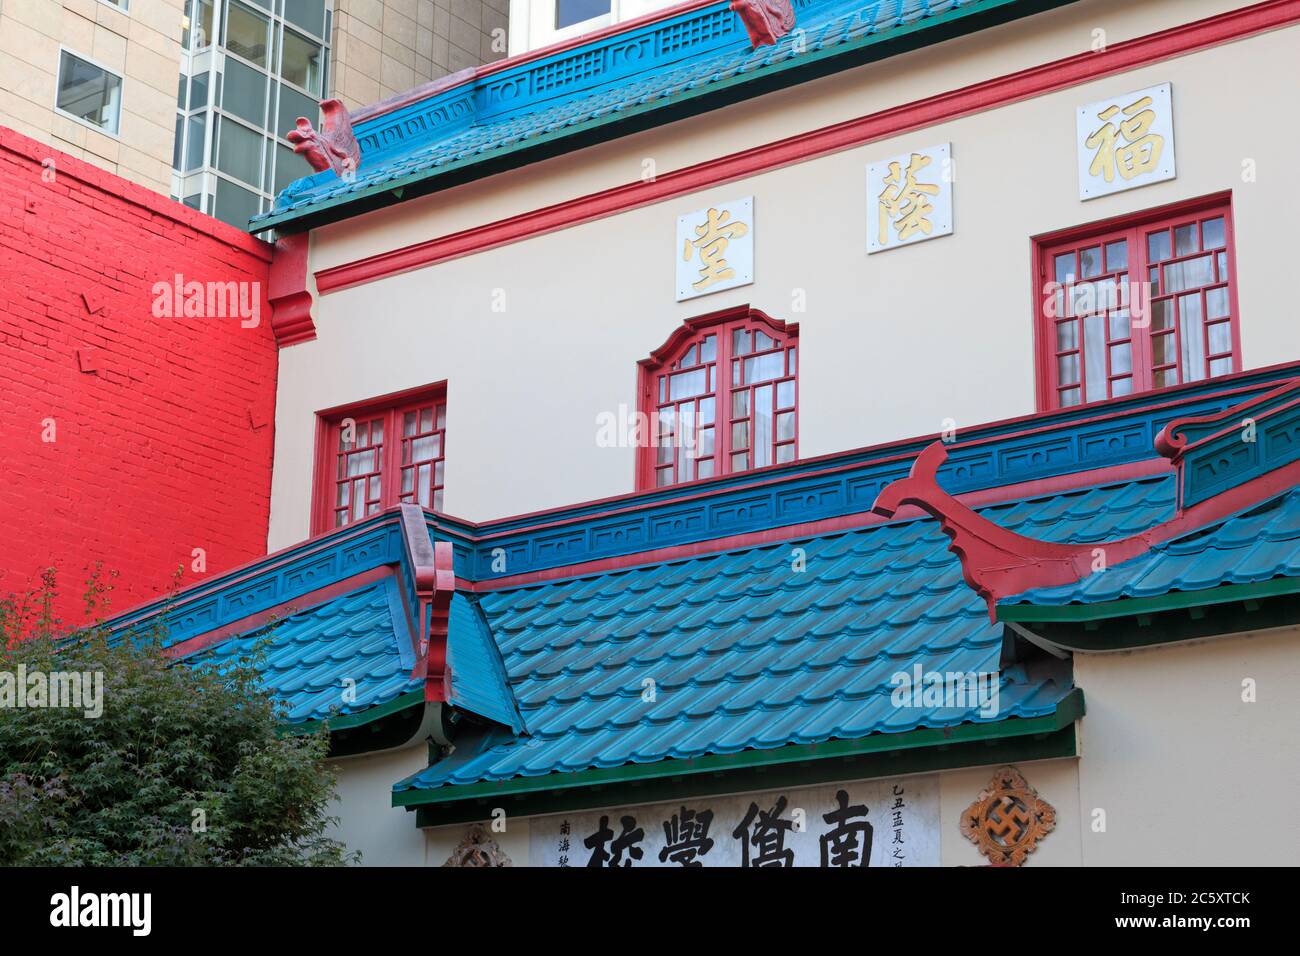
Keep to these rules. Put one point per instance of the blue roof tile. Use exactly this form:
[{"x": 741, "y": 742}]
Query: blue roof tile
[
  {"x": 308, "y": 656},
  {"x": 1256, "y": 545},
  {"x": 746, "y": 653}
]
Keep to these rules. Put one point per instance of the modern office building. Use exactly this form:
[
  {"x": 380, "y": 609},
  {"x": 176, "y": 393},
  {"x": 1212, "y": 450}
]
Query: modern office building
[{"x": 192, "y": 97}]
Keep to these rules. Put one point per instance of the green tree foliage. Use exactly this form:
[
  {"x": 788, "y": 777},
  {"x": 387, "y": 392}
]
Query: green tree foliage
[{"x": 186, "y": 766}]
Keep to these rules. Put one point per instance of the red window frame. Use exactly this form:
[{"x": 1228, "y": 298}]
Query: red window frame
[
  {"x": 405, "y": 436},
  {"x": 1120, "y": 346},
  {"x": 729, "y": 363}
]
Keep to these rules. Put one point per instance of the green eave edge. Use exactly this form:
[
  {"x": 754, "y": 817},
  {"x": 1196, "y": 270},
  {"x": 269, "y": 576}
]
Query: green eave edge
[
  {"x": 1134, "y": 607},
  {"x": 810, "y": 65},
  {"x": 359, "y": 719},
  {"x": 937, "y": 749}
]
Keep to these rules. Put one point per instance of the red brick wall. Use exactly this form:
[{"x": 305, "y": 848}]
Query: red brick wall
[{"x": 162, "y": 427}]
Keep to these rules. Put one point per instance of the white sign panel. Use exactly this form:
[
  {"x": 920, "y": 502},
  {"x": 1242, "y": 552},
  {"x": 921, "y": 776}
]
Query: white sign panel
[
  {"x": 909, "y": 198},
  {"x": 1126, "y": 141},
  {"x": 869, "y": 823},
  {"x": 715, "y": 248}
]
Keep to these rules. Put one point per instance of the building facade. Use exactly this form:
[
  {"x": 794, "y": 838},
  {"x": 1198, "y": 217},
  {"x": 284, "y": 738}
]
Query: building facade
[
  {"x": 97, "y": 79},
  {"x": 827, "y": 432}
]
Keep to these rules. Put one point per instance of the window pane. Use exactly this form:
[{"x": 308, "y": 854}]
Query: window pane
[
  {"x": 201, "y": 31},
  {"x": 1120, "y": 362},
  {"x": 300, "y": 62},
  {"x": 785, "y": 395},
  {"x": 1090, "y": 262},
  {"x": 243, "y": 92},
  {"x": 740, "y": 435},
  {"x": 1065, "y": 267},
  {"x": 1158, "y": 247},
  {"x": 1067, "y": 367},
  {"x": 1067, "y": 335},
  {"x": 1181, "y": 276},
  {"x": 785, "y": 426},
  {"x": 1220, "y": 338},
  {"x": 235, "y": 204},
  {"x": 239, "y": 151},
  {"x": 763, "y": 368},
  {"x": 1162, "y": 314},
  {"x": 1212, "y": 233},
  {"x": 1192, "y": 334},
  {"x": 194, "y": 155},
  {"x": 308, "y": 14},
  {"x": 1117, "y": 256},
  {"x": 569, "y": 12},
  {"x": 89, "y": 93},
  {"x": 292, "y": 105},
  {"x": 246, "y": 33},
  {"x": 687, "y": 384},
  {"x": 1185, "y": 239},
  {"x": 1216, "y": 302},
  {"x": 1094, "y": 351},
  {"x": 1162, "y": 349}
]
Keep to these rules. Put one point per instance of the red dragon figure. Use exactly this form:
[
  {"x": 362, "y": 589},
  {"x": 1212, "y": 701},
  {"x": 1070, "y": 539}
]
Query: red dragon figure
[
  {"x": 765, "y": 20},
  {"x": 334, "y": 146}
]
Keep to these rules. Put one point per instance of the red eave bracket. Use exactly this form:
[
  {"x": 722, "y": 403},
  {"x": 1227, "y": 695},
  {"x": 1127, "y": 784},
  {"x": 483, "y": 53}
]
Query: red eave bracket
[
  {"x": 287, "y": 291},
  {"x": 435, "y": 583}
]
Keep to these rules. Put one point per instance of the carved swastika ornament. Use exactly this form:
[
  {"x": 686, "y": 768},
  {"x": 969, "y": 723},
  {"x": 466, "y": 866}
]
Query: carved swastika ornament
[{"x": 1008, "y": 819}]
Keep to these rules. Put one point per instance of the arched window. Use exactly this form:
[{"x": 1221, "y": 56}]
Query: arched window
[{"x": 721, "y": 397}]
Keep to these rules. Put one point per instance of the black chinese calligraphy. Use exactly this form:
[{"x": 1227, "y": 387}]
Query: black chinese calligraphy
[
  {"x": 765, "y": 831},
  {"x": 848, "y": 841}
]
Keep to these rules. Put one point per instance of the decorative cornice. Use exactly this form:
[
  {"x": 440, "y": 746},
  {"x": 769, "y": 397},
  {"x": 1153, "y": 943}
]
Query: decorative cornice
[{"x": 1217, "y": 451}]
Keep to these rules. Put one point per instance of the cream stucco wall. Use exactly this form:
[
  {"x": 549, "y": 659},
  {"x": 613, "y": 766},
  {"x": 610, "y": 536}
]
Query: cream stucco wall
[
  {"x": 367, "y": 820},
  {"x": 891, "y": 345},
  {"x": 1187, "y": 772}
]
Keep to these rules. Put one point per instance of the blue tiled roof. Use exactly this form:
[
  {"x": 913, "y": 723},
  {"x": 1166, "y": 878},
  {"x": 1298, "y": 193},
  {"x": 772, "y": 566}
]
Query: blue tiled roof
[
  {"x": 746, "y": 653},
  {"x": 1259, "y": 544},
  {"x": 601, "y": 83},
  {"x": 309, "y": 655},
  {"x": 478, "y": 676}
]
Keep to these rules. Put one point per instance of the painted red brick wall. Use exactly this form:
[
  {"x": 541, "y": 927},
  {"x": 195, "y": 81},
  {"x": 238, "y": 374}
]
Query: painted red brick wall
[{"x": 162, "y": 427}]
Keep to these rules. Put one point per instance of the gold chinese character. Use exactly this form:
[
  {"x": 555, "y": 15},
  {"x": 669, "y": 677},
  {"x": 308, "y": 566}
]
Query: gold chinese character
[
  {"x": 904, "y": 203},
  {"x": 714, "y": 236},
  {"x": 1140, "y": 149}
]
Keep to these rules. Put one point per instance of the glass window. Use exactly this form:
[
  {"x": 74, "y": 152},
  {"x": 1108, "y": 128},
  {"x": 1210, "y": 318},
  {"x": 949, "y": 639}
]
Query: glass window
[
  {"x": 288, "y": 167},
  {"x": 301, "y": 61},
  {"x": 243, "y": 92},
  {"x": 247, "y": 33},
  {"x": 569, "y": 12},
  {"x": 308, "y": 14},
  {"x": 292, "y": 105},
  {"x": 198, "y": 25},
  {"x": 235, "y": 204},
  {"x": 377, "y": 456},
  {"x": 1156, "y": 311},
  {"x": 194, "y": 155},
  {"x": 724, "y": 401},
  {"x": 89, "y": 93},
  {"x": 239, "y": 151}
]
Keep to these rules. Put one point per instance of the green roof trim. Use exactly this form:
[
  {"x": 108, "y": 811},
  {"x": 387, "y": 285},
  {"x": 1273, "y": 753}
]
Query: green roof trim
[
  {"x": 1133, "y": 607},
  {"x": 360, "y": 719},
  {"x": 916, "y": 751}
]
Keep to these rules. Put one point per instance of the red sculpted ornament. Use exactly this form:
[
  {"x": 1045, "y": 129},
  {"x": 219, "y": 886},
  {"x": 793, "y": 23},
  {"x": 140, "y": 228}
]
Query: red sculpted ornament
[
  {"x": 332, "y": 147},
  {"x": 766, "y": 20}
]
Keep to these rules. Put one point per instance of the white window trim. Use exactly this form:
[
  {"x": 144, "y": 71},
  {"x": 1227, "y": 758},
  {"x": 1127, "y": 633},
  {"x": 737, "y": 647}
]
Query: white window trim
[
  {"x": 58, "y": 83},
  {"x": 121, "y": 6}
]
